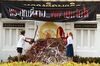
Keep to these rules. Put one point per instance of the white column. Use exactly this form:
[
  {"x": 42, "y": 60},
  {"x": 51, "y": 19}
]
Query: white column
[
  {"x": 82, "y": 38},
  {"x": 10, "y": 37},
  {"x": 1, "y": 38},
  {"x": 97, "y": 38},
  {"x": 89, "y": 45},
  {"x": 16, "y": 37}
]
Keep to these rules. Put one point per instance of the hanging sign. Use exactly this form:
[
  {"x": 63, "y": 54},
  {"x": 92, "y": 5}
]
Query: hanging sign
[
  {"x": 85, "y": 25},
  {"x": 49, "y": 11}
]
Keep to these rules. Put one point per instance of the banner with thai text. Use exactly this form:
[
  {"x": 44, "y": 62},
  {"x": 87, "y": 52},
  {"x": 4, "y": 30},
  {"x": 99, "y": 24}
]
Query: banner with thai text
[{"x": 49, "y": 11}]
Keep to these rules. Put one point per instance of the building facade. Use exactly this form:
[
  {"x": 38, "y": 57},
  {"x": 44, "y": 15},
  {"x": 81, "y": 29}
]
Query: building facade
[{"x": 86, "y": 35}]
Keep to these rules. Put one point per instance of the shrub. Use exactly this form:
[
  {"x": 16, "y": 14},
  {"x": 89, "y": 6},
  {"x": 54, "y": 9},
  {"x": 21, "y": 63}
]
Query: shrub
[
  {"x": 79, "y": 59},
  {"x": 15, "y": 58}
]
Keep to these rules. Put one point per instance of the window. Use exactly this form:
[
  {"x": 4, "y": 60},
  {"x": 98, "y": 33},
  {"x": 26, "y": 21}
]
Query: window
[
  {"x": 7, "y": 35},
  {"x": 11, "y": 36},
  {"x": 85, "y": 37},
  {"x": 13, "y": 42},
  {"x": 78, "y": 39},
  {"x": 92, "y": 36}
]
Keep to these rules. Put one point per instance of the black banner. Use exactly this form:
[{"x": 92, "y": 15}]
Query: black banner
[
  {"x": 85, "y": 25},
  {"x": 49, "y": 11}
]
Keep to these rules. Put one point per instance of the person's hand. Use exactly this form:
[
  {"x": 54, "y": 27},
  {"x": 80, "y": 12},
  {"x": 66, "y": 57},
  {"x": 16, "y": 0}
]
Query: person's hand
[{"x": 31, "y": 41}]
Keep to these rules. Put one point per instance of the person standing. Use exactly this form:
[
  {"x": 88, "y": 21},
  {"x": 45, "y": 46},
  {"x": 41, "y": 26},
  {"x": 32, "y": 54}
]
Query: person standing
[
  {"x": 21, "y": 42},
  {"x": 69, "y": 47}
]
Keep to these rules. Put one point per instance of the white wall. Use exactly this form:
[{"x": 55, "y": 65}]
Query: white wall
[
  {"x": 30, "y": 28},
  {"x": 6, "y": 48}
]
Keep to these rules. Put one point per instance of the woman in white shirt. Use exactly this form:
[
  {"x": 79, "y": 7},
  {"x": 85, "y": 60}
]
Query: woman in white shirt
[
  {"x": 21, "y": 42},
  {"x": 69, "y": 48}
]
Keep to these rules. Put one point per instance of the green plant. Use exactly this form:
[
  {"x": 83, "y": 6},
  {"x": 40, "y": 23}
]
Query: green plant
[
  {"x": 15, "y": 58},
  {"x": 79, "y": 59}
]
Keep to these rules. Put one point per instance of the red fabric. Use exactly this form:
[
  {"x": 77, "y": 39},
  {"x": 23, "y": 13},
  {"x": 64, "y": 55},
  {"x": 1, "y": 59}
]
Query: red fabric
[{"x": 60, "y": 32}]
